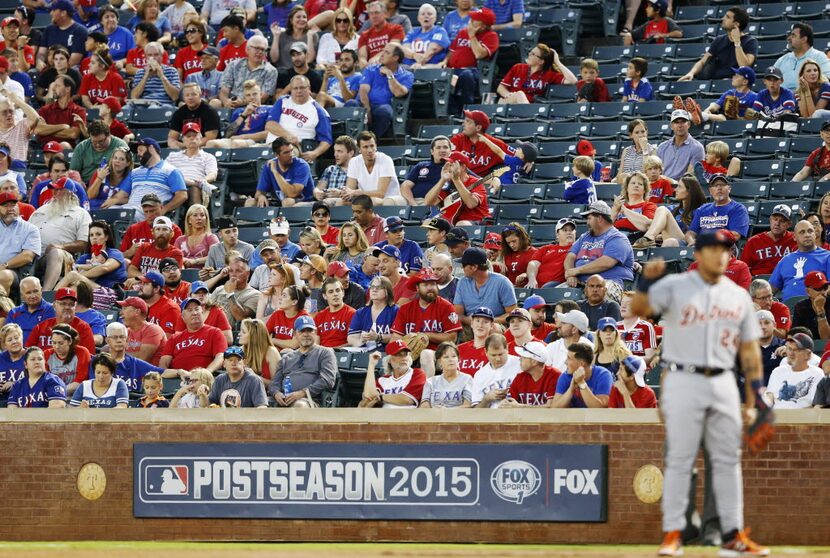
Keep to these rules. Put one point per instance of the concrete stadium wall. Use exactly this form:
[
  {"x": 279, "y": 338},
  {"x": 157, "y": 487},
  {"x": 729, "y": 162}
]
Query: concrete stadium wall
[{"x": 787, "y": 501}]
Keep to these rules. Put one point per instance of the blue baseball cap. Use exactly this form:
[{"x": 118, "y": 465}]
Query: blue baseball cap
[
  {"x": 746, "y": 72},
  {"x": 606, "y": 322},
  {"x": 304, "y": 322},
  {"x": 5, "y": 151},
  {"x": 637, "y": 368},
  {"x": 483, "y": 312},
  {"x": 393, "y": 224},
  {"x": 63, "y": 5},
  {"x": 149, "y": 142},
  {"x": 153, "y": 277},
  {"x": 389, "y": 250},
  {"x": 188, "y": 300},
  {"x": 197, "y": 286},
  {"x": 534, "y": 301},
  {"x": 235, "y": 351}
]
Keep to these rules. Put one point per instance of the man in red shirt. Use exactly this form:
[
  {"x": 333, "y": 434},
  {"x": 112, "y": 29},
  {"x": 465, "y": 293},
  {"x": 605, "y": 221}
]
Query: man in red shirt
[
  {"x": 381, "y": 33},
  {"x": 333, "y": 322},
  {"x": 65, "y": 301},
  {"x": 198, "y": 346},
  {"x": 763, "y": 251},
  {"x": 761, "y": 293},
  {"x": 389, "y": 263},
  {"x": 145, "y": 341},
  {"x": 535, "y": 385},
  {"x": 472, "y": 356},
  {"x": 61, "y": 117},
  {"x": 482, "y": 158},
  {"x": 363, "y": 213},
  {"x": 10, "y": 28},
  {"x": 233, "y": 29},
  {"x": 147, "y": 256},
  {"x": 630, "y": 390},
  {"x": 475, "y": 42},
  {"x": 460, "y": 201},
  {"x": 174, "y": 287},
  {"x": 548, "y": 265},
  {"x": 143, "y": 232},
  {"x": 160, "y": 310},
  {"x": 637, "y": 334}
]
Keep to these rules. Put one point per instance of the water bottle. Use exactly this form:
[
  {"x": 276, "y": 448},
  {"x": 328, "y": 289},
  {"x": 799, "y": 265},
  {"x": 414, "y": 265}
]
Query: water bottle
[{"x": 286, "y": 386}]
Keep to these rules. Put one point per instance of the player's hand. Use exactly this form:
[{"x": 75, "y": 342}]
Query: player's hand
[{"x": 654, "y": 269}]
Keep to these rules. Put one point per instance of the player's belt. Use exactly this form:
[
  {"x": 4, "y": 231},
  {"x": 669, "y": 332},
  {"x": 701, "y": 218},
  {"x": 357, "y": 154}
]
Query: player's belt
[{"x": 704, "y": 370}]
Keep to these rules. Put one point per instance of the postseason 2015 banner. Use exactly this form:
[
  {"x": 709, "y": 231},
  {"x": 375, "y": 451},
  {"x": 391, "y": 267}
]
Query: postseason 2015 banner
[{"x": 356, "y": 481}]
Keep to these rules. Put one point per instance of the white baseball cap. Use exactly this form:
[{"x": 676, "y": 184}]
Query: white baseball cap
[
  {"x": 279, "y": 226},
  {"x": 637, "y": 368},
  {"x": 678, "y": 114},
  {"x": 535, "y": 350},
  {"x": 576, "y": 318},
  {"x": 163, "y": 222}
]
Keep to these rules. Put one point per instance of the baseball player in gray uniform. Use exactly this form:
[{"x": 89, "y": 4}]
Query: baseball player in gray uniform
[{"x": 708, "y": 322}]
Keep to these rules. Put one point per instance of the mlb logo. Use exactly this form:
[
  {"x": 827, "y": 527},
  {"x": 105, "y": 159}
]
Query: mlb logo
[{"x": 167, "y": 480}]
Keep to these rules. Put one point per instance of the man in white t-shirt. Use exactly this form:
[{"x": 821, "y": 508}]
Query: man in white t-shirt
[
  {"x": 372, "y": 173},
  {"x": 794, "y": 387},
  {"x": 491, "y": 384},
  {"x": 297, "y": 117},
  {"x": 572, "y": 327}
]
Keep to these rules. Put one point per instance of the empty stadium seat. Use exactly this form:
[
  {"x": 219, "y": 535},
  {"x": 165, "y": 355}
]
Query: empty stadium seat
[{"x": 784, "y": 190}]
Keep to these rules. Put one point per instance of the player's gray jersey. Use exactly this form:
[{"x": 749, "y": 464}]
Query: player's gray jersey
[{"x": 704, "y": 324}]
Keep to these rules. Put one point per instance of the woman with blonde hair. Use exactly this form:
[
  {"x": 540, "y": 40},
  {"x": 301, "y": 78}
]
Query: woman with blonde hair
[
  {"x": 280, "y": 277},
  {"x": 352, "y": 246},
  {"x": 197, "y": 238},
  {"x": 609, "y": 349},
  {"x": 813, "y": 91},
  {"x": 311, "y": 243},
  {"x": 632, "y": 212},
  {"x": 11, "y": 357},
  {"x": 344, "y": 36},
  {"x": 260, "y": 354},
  {"x": 193, "y": 393}
]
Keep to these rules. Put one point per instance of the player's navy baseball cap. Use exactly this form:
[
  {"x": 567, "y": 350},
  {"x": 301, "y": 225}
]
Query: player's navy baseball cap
[
  {"x": 235, "y": 351},
  {"x": 393, "y": 224},
  {"x": 304, "y": 322},
  {"x": 437, "y": 223},
  {"x": 456, "y": 236},
  {"x": 197, "y": 286},
  {"x": 716, "y": 238},
  {"x": 637, "y": 368},
  {"x": 389, "y": 250},
  {"x": 395, "y": 346},
  {"x": 153, "y": 277},
  {"x": 533, "y": 302},
  {"x": 483, "y": 312},
  {"x": 149, "y": 142},
  {"x": 816, "y": 280},
  {"x": 606, "y": 322},
  {"x": 802, "y": 341}
]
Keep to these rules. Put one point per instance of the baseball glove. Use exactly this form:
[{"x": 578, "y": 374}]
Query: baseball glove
[
  {"x": 760, "y": 432},
  {"x": 730, "y": 107},
  {"x": 416, "y": 342}
]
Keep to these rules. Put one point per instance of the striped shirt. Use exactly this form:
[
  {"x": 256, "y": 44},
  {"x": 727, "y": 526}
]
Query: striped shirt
[
  {"x": 504, "y": 11},
  {"x": 163, "y": 179},
  {"x": 198, "y": 167},
  {"x": 237, "y": 73},
  {"x": 154, "y": 88}
]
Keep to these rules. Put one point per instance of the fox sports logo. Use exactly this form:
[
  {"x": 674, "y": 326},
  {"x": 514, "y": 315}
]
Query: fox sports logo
[{"x": 513, "y": 481}]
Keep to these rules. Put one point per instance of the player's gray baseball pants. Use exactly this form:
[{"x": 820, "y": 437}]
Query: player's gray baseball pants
[{"x": 695, "y": 406}]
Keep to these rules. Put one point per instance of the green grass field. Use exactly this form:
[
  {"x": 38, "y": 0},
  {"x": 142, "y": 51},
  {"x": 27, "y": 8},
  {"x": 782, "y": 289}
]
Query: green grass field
[{"x": 347, "y": 550}]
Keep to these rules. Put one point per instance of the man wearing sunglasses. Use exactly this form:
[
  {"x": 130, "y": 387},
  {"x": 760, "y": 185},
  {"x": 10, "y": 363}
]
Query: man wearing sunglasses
[{"x": 253, "y": 66}]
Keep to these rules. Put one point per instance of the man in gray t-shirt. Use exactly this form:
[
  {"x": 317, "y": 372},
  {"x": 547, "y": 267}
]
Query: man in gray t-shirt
[
  {"x": 238, "y": 386},
  {"x": 312, "y": 369}
]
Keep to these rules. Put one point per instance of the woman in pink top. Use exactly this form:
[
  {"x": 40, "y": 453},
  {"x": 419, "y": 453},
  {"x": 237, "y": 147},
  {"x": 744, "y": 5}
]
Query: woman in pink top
[{"x": 197, "y": 238}]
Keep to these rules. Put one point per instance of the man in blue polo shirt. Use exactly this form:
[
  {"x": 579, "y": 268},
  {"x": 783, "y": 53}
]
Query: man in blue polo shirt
[
  {"x": 680, "y": 150},
  {"x": 509, "y": 13},
  {"x": 789, "y": 273},
  {"x": 380, "y": 84},
  {"x": 412, "y": 256},
  {"x": 21, "y": 240},
  {"x": 582, "y": 385},
  {"x": 423, "y": 176},
  {"x": 482, "y": 287},
  {"x": 33, "y": 310},
  {"x": 285, "y": 177},
  {"x": 154, "y": 176},
  {"x": 722, "y": 213}
]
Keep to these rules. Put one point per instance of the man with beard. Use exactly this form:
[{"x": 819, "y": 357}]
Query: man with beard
[
  {"x": 312, "y": 369},
  {"x": 472, "y": 356},
  {"x": 236, "y": 296},
  {"x": 341, "y": 80},
  {"x": 270, "y": 256},
  {"x": 64, "y": 232},
  {"x": 229, "y": 237},
  {"x": 148, "y": 256},
  {"x": 174, "y": 287},
  {"x": 65, "y": 302},
  {"x": 143, "y": 230},
  {"x": 155, "y": 176},
  {"x": 145, "y": 340},
  {"x": 764, "y": 250},
  {"x": 160, "y": 310},
  {"x": 21, "y": 240},
  {"x": 299, "y": 67},
  {"x": 572, "y": 327},
  {"x": 88, "y": 154},
  {"x": 198, "y": 346}
]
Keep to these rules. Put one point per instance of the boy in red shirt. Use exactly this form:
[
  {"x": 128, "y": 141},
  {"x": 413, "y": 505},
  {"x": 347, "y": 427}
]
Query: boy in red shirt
[
  {"x": 463, "y": 60},
  {"x": 657, "y": 28},
  {"x": 717, "y": 153},
  {"x": 333, "y": 322},
  {"x": 630, "y": 390},
  {"x": 468, "y": 205},
  {"x": 591, "y": 88},
  {"x": 535, "y": 385},
  {"x": 661, "y": 187}
]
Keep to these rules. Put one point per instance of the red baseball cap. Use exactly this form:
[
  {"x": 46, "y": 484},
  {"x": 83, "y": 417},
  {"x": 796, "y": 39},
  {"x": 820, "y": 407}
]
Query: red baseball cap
[
  {"x": 10, "y": 21},
  {"x": 585, "y": 147},
  {"x": 492, "y": 241},
  {"x": 484, "y": 15},
  {"x": 59, "y": 184},
  {"x": 425, "y": 275},
  {"x": 457, "y": 157},
  {"x": 113, "y": 104},
  {"x": 816, "y": 280},
  {"x": 87, "y": 3},
  {"x": 337, "y": 269},
  {"x": 66, "y": 292},
  {"x": 6, "y": 197},
  {"x": 134, "y": 302},
  {"x": 191, "y": 127},
  {"x": 4, "y": 64},
  {"x": 395, "y": 346},
  {"x": 479, "y": 117},
  {"x": 52, "y": 147}
]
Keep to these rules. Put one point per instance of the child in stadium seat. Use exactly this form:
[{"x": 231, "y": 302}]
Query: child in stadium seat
[
  {"x": 587, "y": 149},
  {"x": 591, "y": 88},
  {"x": 637, "y": 88},
  {"x": 717, "y": 153},
  {"x": 656, "y": 29},
  {"x": 732, "y": 104},
  {"x": 520, "y": 163},
  {"x": 582, "y": 189},
  {"x": 661, "y": 186},
  {"x": 152, "y": 392}
]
